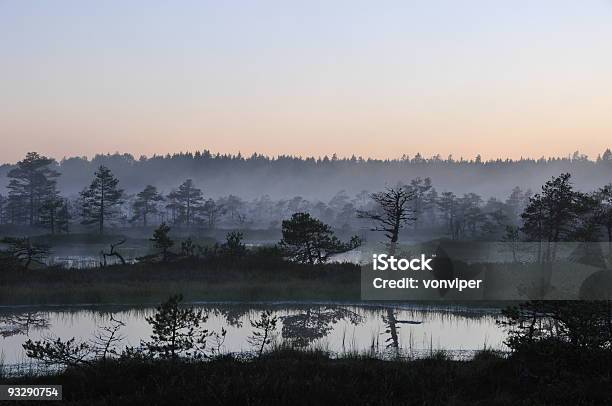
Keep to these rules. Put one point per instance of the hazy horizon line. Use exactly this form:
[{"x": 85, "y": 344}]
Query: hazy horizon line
[{"x": 332, "y": 156}]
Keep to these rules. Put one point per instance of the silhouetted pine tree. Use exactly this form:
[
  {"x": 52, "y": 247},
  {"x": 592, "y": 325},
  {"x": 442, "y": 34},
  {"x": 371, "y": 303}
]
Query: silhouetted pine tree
[
  {"x": 32, "y": 183},
  {"x": 100, "y": 199},
  {"x": 146, "y": 204},
  {"x": 188, "y": 201}
]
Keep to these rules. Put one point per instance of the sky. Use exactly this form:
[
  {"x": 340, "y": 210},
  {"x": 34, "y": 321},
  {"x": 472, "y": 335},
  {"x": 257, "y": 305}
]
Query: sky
[{"x": 371, "y": 78}]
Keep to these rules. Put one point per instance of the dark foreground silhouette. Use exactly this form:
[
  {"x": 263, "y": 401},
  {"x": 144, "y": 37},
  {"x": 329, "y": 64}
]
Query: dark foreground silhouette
[{"x": 310, "y": 377}]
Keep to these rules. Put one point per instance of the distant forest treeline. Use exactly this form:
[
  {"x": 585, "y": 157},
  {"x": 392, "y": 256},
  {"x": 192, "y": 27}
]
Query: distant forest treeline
[
  {"x": 321, "y": 178},
  {"x": 34, "y": 201}
]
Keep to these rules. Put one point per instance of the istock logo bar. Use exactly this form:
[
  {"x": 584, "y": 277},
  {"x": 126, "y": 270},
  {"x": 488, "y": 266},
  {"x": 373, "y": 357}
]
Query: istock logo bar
[{"x": 384, "y": 262}]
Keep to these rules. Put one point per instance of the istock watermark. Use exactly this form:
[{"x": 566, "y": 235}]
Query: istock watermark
[
  {"x": 383, "y": 262},
  {"x": 474, "y": 270},
  {"x": 423, "y": 263}
]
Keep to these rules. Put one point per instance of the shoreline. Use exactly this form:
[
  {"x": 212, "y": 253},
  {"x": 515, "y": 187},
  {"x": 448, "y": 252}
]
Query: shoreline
[{"x": 440, "y": 306}]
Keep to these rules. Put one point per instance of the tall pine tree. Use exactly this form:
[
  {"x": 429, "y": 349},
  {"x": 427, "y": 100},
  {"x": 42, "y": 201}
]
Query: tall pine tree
[
  {"x": 32, "y": 183},
  {"x": 101, "y": 198},
  {"x": 188, "y": 200},
  {"x": 146, "y": 204}
]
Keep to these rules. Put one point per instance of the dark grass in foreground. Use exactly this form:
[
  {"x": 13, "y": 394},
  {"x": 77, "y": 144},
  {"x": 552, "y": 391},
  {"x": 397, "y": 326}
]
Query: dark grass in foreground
[{"x": 311, "y": 377}]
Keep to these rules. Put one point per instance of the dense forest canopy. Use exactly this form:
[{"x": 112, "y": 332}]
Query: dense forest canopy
[{"x": 321, "y": 178}]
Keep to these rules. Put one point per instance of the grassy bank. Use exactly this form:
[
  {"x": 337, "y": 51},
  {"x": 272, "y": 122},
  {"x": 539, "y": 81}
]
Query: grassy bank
[
  {"x": 251, "y": 278},
  {"x": 301, "y": 378}
]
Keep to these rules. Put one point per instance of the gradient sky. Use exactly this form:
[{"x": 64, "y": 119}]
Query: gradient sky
[{"x": 373, "y": 78}]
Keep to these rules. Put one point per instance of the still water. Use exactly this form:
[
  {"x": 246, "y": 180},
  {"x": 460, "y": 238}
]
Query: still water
[{"x": 404, "y": 329}]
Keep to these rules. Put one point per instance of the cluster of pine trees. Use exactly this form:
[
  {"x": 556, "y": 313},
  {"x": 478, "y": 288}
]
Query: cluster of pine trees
[
  {"x": 561, "y": 213},
  {"x": 33, "y": 200}
]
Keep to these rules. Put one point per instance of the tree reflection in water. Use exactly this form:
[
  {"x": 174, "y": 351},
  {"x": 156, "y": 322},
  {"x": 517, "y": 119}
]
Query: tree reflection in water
[
  {"x": 305, "y": 327},
  {"x": 392, "y": 328},
  {"x": 232, "y": 314},
  {"x": 21, "y": 324}
]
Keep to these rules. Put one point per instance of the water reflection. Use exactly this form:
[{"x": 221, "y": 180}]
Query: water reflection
[
  {"x": 22, "y": 323},
  {"x": 392, "y": 329},
  {"x": 400, "y": 329},
  {"x": 305, "y": 327},
  {"x": 233, "y": 315}
]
